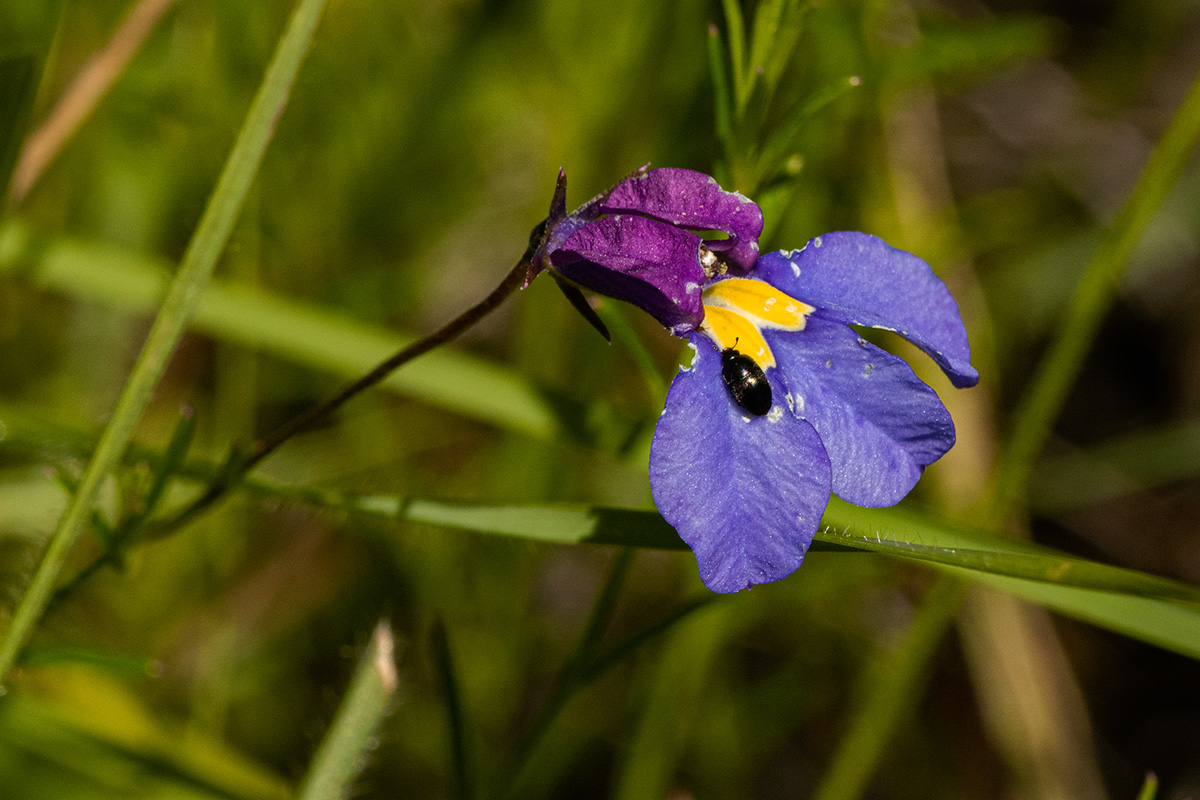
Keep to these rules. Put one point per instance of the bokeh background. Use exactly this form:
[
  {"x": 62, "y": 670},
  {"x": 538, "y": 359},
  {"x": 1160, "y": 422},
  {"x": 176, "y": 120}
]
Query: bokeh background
[{"x": 420, "y": 145}]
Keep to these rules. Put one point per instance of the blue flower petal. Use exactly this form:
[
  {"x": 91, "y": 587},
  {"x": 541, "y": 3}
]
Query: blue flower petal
[
  {"x": 642, "y": 261},
  {"x": 746, "y": 493},
  {"x": 692, "y": 200},
  {"x": 859, "y": 279},
  {"x": 880, "y": 424}
]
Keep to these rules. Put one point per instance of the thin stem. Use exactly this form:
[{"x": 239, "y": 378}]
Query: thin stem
[
  {"x": 1044, "y": 398},
  {"x": 342, "y": 753},
  {"x": 464, "y": 775},
  {"x": 94, "y": 80},
  {"x": 238, "y": 464},
  {"x": 178, "y": 307},
  {"x": 891, "y": 689},
  {"x": 575, "y": 673}
]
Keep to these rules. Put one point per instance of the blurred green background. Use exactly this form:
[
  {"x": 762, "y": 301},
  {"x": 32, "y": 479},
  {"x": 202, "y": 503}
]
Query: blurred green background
[{"x": 995, "y": 139}]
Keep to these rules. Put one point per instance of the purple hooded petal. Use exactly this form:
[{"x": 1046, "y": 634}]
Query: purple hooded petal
[
  {"x": 692, "y": 200},
  {"x": 746, "y": 493},
  {"x": 647, "y": 263},
  {"x": 859, "y": 279},
  {"x": 879, "y": 423}
]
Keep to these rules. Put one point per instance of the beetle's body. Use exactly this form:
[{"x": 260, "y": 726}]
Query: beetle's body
[{"x": 746, "y": 381}]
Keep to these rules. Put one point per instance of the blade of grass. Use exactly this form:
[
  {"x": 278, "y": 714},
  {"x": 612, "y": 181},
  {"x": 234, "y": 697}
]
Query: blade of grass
[
  {"x": 464, "y": 774},
  {"x": 26, "y": 36},
  {"x": 722, "y": 102},
  {"x": 1131, "y": 603},
  {"x": 572, "y": 676},
  {"x": 888, "y": 692},
  {"x": 340, "y": 756},
  {"x": 1169, "y": 625},
  {"x": 86, "y": 90},
  {"x": 1133, "y": 463},
  {"x": 178, "y": 306},
  {"x": 669, "y": 711},
  {"x": 1043, "y": 399},
  {"x": 736, "y": 24},
  {"x": 617, "y": 320},
  {"x": 284, "y": 328},
  {"x": 1114, "y": 598},
  {"x": 890, "y": 531},
  {"x": 778, "y": 148}
]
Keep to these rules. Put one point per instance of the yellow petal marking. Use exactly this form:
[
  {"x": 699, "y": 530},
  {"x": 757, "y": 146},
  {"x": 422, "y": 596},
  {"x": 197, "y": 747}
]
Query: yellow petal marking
[
  {"x": 766, "y": 306},
  {"x": 732, "y": 329}
]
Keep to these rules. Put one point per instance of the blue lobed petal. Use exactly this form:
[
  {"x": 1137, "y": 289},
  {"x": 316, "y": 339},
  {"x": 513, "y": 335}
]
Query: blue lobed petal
[
  {"x": 746, "y": 493},
  {"x": 647, "y": 263},
  {"x": 859, "y": 279},
  {"x": 880, "y": 424},
  {"x": 692, "y": 200}
]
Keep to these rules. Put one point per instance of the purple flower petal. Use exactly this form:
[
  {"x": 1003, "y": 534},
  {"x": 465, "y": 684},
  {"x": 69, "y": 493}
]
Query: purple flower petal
[
  {"x": 647, "y": 263},
  {"x": 879, "y": 423},
  {"x": 859, "y": 279},
  {"x": 746, "y": 493},
  {"x": 692, "y": 200}
]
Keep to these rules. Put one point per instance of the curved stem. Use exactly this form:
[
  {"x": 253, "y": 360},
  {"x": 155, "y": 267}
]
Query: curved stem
[{"x": 240, "y": 463}]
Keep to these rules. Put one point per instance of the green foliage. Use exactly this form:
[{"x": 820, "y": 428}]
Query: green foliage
[{"x": 226, "y": 657}]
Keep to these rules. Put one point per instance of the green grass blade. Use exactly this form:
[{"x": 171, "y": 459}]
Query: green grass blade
[
  {"x": 722, "y": 100},
  {"x": 1132, "y": 463},
  {"x": 617, "y": 320},
  {"x": 464, "y": 775},
  {"x": 340, "y": 756},
  {"x": 1149, "y": 787},
  {"x": 907, "y": 534},
  {"x": 26, "y": 34},
  {"x": 1141, "y": 606},
  {"x": 891, "y": 531},
  {"x": 1056, "y": 373},
  {"x": 554, "y": 524},
  {"x": 177, "y": 307},
  {"x": 284, "y": 328},
  {"x": 779, "y": 147},
  {"x": 762, "y": 40},
  {"x": 736, "y": 24},
  {"x": 889, "y": 691},
  {"x": 668, "y": 713}
]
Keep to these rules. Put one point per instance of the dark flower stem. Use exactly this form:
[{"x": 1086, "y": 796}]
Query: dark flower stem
[{"x": 242, "y": 461}]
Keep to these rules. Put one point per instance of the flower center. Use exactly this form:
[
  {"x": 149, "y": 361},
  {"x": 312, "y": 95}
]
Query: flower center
[{"x": 738, "y": 310}]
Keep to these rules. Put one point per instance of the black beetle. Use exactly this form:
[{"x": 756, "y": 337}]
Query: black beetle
[{"x": 746, "y": 381}]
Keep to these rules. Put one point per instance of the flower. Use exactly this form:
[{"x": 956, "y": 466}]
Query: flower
[
  {"x": 640, "y": 242},
  {"x": 783, "y": 403},
  {"x": 746, "y": 491}
]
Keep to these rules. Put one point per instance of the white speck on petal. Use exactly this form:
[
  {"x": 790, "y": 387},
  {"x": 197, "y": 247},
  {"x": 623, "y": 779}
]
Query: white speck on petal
[
  {"x": 689, "y": 287},
  {"x": 799, "y": 404},
  {"x": 795, "y": 268},
  {"x": 775, "y": 414},
  {"x": 791, "y": 401},
  {"x": 745, "y": 418},
  {"x": 770, "y": 301},
  {"x": 828, "y": 363},
  {"x": 817, "y": 242}
]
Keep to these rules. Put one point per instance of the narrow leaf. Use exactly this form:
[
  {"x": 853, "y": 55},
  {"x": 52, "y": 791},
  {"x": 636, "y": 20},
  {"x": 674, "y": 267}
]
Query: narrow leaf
[
  {"x": 285, "y": 328},
  {"x": 177, "y": 308},
  {"x": 340, "y": 756}
]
